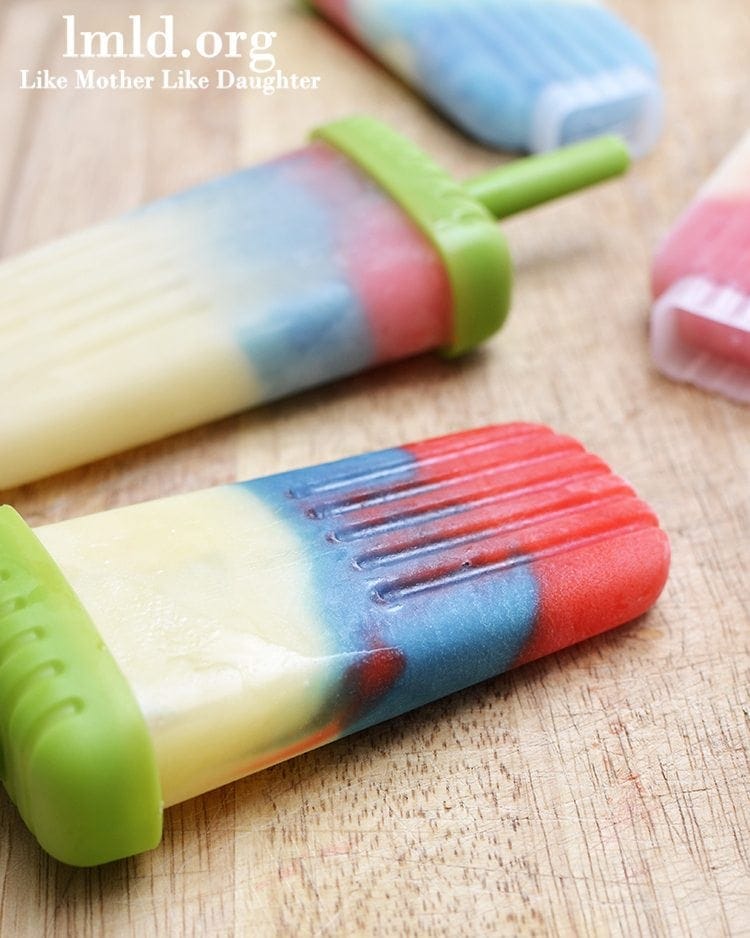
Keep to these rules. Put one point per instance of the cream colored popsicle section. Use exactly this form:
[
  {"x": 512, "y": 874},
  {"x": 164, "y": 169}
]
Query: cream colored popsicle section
[
  {"x": 98, "y": 327},
  {"x": 206, "y": 602},
  {"x": 732, "y": 178}
]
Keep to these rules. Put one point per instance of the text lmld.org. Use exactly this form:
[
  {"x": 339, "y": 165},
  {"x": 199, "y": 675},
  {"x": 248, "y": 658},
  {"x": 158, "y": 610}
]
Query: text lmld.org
[{"x": 259, "y": 74}]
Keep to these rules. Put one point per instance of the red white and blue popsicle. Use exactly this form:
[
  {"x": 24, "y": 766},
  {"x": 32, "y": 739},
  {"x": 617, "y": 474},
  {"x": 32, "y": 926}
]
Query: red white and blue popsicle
[
  {"x": 248, "y": 623},
  {"x": 353, "y": 251},
  {"x": 516, "y": 74}
]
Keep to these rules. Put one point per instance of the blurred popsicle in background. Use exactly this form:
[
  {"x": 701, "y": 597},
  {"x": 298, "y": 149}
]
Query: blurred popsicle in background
[
  {"x": 516, "y": 74},
  {"x": 700, "y": 326}
]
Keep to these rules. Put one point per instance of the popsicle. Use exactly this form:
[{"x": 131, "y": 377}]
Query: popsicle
[
  {"x": 154, "y": 652},
  {"x": 353, "y": 251},
  {"x": 515, "y": 74},
  {"x": 700, "y": 325}
]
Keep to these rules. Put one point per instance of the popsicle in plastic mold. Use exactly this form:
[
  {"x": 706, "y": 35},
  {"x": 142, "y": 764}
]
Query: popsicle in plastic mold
[
  {"x": 154, "y": 652},
  {"x": 700, "y": 325},
  {"x": 353, "y": 251},
  {"x": 515, "y": 74}
]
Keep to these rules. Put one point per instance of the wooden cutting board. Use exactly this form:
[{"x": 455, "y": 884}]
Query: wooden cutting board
[{"x": 602, "y": 791}]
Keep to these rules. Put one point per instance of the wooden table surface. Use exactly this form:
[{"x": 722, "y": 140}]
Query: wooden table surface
[{"x": 601, "y": 791}]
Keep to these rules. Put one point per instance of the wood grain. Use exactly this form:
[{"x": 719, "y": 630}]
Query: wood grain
[{"x": 600, "y": 792}]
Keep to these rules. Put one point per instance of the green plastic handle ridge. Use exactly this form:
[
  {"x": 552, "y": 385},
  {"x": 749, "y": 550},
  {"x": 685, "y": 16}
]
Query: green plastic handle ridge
[
  {"x": 460, "y": 219},
  {"x": 76, "y": 756}
]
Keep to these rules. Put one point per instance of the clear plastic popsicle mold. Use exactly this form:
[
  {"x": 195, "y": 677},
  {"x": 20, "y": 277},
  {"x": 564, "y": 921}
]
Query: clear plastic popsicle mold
[
  {"x": 700, "y": 334},
  {"x": 700, "y": 322}
]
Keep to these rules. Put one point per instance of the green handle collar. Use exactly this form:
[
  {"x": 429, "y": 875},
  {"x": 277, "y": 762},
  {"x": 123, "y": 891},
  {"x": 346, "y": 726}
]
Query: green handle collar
[
  {"x": 459, "y": 219},
  {"x": 463, "y": 232},
  {"x": 75, "y": 753}
]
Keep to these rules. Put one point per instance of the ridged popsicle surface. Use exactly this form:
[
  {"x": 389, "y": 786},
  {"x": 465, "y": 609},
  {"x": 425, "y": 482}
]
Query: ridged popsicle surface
[
  {"x": 263, "y": 619},
  {"x": 239, "y": 291},
  {"x": 507, "y": 70}
]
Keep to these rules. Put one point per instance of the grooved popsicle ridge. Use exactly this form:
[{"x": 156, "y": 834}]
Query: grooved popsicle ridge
[
  {"x": 395, "y": 591},
  {"x": 452, "y": 481},
  {"x": 139, "y": 289},
  {"x": 485, "y": 529},
  {"x": 518, "y": 75},
  {"x": 445, "y": 449},
  {"x": 265, "y": 618},
  {"x": 451, "y": 510}
]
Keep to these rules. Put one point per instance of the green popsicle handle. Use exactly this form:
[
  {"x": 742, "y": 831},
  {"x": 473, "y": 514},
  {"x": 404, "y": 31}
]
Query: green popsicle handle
[
  {"x": 458, "y": 218},
  {"x": 75, "y": 752},
  {"x": 522, "y": 184}
]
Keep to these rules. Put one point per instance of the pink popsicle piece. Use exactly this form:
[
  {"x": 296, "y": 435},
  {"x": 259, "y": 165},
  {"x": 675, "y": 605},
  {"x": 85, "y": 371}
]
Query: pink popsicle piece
[{"x": 700, "y": 328}]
